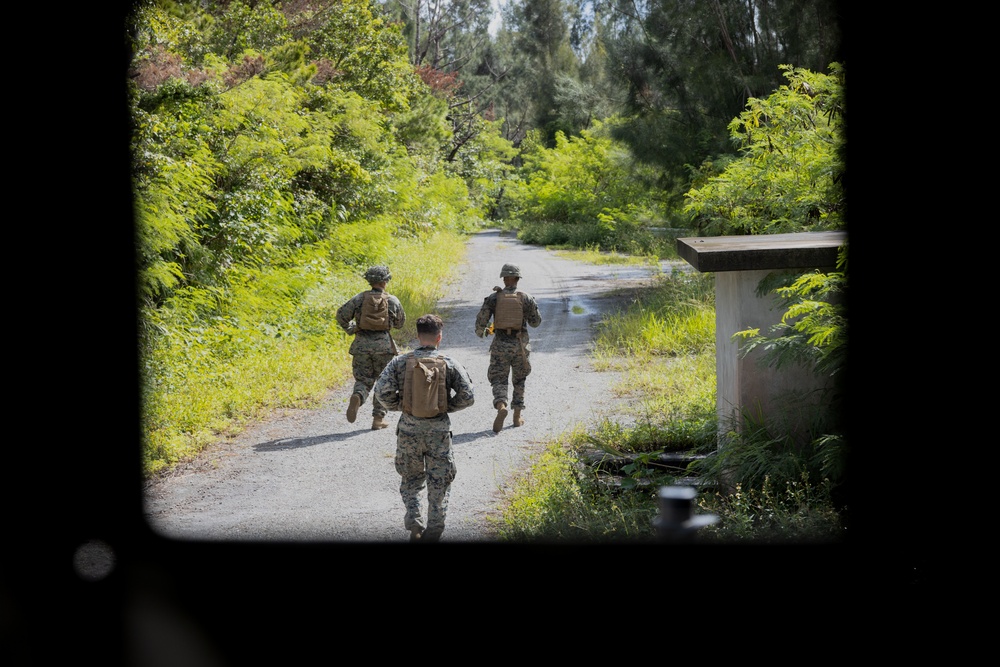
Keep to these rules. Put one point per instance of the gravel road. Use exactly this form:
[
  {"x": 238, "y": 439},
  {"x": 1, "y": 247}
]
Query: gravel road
[{"x": 309, "y": 475}]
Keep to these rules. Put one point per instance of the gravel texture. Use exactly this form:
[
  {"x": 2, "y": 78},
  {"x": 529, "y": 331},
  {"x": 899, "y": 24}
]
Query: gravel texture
[{"x": 309, "y": 475}]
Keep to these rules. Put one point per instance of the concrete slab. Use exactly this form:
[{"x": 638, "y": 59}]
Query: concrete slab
[{"x": 711, "y": 254}]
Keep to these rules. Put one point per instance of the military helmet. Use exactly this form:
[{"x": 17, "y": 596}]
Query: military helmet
[
  {"x": 510, "y": 270},
  {"x": 378, "y": 274}
]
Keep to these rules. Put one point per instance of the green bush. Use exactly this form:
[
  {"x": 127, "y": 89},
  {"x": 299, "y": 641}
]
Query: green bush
[{"x": 788, "y": 178}]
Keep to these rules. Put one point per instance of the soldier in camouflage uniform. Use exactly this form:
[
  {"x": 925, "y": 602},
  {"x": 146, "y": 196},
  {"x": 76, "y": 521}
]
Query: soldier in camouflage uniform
[
  {"x": 511, "y": 349},
  {"x": 370, "y": 350},
  {"x": 423, "y": 445}
]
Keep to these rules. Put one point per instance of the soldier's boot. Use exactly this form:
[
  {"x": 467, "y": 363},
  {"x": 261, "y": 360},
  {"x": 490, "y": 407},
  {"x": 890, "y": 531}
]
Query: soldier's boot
[
  {"x": 377, "y": 423},
  {"x": 501, "y": 415},
  {"x": 416, "y": 533},
  {"x": 352, "y": 409},
  {"x": 431, "y": 535},
  {"x": 517, "y": 417}
]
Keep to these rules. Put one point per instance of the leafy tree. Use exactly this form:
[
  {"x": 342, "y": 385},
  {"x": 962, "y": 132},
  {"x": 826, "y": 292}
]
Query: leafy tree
[
  {"x": 242, "y": 156},
  {"x": 541, "y": 32},
  {"x": 356, "y": 48},
  {"x": 691, "y": 65},
  {"x": 788, "y": 177},
  {"x": 588, "y": 186},
  {"x": 242, "y": 27},
  {"x": 483, "y": 162},
  {"x": 444, "y": 35}
]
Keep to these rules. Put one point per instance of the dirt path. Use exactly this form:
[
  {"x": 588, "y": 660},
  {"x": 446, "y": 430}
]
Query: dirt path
[{"x": 309, "y": 475}]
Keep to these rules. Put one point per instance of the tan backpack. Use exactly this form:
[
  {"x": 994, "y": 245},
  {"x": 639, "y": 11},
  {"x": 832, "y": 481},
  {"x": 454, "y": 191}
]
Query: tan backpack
[
  {"x": 425, "y": 390},
  {"x": 374, "y": 311},
  {"x": 509, "y": 313}
]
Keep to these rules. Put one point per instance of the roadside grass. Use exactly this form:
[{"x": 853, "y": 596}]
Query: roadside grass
[
  {"x": 558, "y": 502},
  {"x": 594, "y": 255},
  {"x": 797, "y": 512},
  {"x": 222, "y": 359},
  {"x": 664, "y": 344}
]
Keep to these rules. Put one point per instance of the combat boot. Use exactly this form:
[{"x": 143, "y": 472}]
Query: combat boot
[
  {"x": 352, "y": 409},
  {"x": 377, "y": 423},
  {"x": 517, "y": 417},
  {"x": 501, "y": 415}
]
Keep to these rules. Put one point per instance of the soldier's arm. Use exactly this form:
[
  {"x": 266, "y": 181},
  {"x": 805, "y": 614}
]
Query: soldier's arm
[
  {"x": 397, "y": 316},
  {"x": 345, "y": 314},
  {"x": 531, "y": 314},
  {"x": 485, "y": 313},
  {"x": 389, "y": 385},
  {"x": 461, "y": 393}
]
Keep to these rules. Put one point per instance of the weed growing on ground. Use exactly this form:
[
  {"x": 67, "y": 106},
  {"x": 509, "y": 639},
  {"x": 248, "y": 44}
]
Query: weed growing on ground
[
  {"x": 561, "y": 501},
  {"x": 798, "y": 512}
]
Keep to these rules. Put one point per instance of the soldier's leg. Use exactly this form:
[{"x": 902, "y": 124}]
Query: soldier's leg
[
  {"x": 361, "y": 367},
  {"x": 440, "y": 474},
  {"x": 410, "y": 466},
  {"x": 520, "y": 370},
  {"x": 498, "y": 373},
  {"x": 378, "y": 364}
]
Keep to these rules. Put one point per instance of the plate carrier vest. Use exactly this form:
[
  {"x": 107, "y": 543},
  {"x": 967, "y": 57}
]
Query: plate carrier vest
[
  {"x": 374, "y": 312},
  {"x": 425, "y": 390},
  {"x": 509, "y": 313}
]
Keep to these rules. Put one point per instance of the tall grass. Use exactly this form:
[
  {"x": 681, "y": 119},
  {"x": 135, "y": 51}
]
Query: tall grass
[
  {"x": 218, "y": 359},
  {"x": 664, "y": 343},
  {"x": 797, "y": 511},
  {"x": 555, "y": 503}
]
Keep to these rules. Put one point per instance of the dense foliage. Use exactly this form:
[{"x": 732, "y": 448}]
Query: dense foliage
[
  {"x": 587, "y": 190},
  {"x": 789, "y": 175}
]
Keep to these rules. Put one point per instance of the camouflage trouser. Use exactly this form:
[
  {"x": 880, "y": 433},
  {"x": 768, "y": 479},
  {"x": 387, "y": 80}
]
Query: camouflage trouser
[
  {"x": 367, "y": 368},
  {"x": 425, "y": 459},
  {"x": 507, "y": 360}
]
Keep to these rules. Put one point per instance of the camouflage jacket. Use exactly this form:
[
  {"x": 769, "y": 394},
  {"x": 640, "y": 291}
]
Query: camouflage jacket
[
  {"x": 370, "y": 342},
  {"x": 389, "y": 390}
]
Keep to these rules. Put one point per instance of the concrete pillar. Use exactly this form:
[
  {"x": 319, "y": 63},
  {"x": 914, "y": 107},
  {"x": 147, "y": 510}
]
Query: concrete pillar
[{"x": 745, "y": 385}]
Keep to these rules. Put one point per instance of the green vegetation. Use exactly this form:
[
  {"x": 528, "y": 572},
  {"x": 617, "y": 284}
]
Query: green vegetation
[
  {"x": 586, "y": 191},
  {"x": 799, "y": 512},
  {"x": 789, "y": 175},
  {"x": 595, "y": 255}
]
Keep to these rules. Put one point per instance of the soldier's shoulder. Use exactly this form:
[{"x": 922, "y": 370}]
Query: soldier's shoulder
[{"x": 448, "y": 359}]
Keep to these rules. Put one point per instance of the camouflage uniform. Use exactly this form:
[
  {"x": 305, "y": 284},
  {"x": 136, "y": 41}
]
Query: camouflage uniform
[
  {"x": 509, "y": 352},
  {"x": 423, "y": 445},
  {"x": 370, "y": 350}
]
